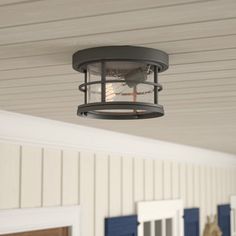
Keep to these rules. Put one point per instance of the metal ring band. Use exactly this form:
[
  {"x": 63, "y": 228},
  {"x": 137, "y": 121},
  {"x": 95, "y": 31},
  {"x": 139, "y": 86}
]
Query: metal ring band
[
  {"x": 120, "y": 53},
  {"x": 82, "y": 89},
  {"x": 98, "y": 110}
]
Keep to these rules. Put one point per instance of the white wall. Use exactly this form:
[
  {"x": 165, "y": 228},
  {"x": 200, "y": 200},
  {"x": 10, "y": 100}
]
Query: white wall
[{"x": 48, "y": 163}]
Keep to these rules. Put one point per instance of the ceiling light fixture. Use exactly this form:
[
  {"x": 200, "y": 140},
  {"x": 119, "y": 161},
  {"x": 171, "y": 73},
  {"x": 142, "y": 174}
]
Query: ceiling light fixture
[{"x": 120, "y": 82}]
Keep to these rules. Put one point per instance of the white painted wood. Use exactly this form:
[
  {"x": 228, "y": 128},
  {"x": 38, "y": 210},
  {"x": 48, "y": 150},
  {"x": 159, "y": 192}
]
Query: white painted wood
[
  {"x": 42, "y": 10},
  {"x": 9, "y": 176},
  {"x": 141, "y": 229},
  {"x": 173, "y": 105},
  {"x": 52, "y": 169},
  {"x": 23, "y": 220},
  {"x": 182, "y": 178},
  {"x": 127, "y": 186},
  {"x": 159, "y": 183},
  {"x": 232, "y": 222},
  {"x": 19, "y": 128},
  {"x": 213, "y": 190},
  {"x": 36, "y": 72},
  {"x": 70, "y": 177},
  {"x": 196, "y": 185},
  {"x": 199, "y": 37},
  {"x": 163, "y": 227},
  {"x": 176, "y": 68},
  {"x": 138, "y": 180},
  {"x": 5, "y": 3},
  {"x": 180, "y": 221},
  {"x": 62, "y": 58},
  {"x": 43, "y": 108},
  {"x": 175, "y": 226},
  {"x": 148, "y": 180},
  {"x": 87, "y": 193},
  {"x": 37, "y": 81},
  {"x": 208, "y": 190},
  {"x": 167, "y": 184},
  {"x": 175, "y": 180},
  {"x": 203, "y": 198},
  {"x": 10, "y": 101},
  {"x": 160, "y": 210},
  {"x": 233, "y": 202},
  {"x": 189, "y": 185},
  {"x": 232, "y": 181},
  {"x": 152, "y": 228},
  {"x": 114, "y": 179},
  {"x": 178, "y": 44},
  {"x": 146, "y": 18},
  {"x": 101, "y": 192},
  {"x": 224, "y": 185},
  {"x": 208, "y": 66},
  {"x": 96, "y": 175},
  {"x": 208, "y": 194},
  {"x": 182, "y": 58},
  {"x": 31, "y": 177},
  {"x": 221, "y": 187},
  {"x": 218, "y": 180},
  {"x": 228, "y": 185}
]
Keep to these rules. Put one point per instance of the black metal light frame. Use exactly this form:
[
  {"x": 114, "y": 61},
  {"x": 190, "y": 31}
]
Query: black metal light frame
[{"x": 156, "y": 58}]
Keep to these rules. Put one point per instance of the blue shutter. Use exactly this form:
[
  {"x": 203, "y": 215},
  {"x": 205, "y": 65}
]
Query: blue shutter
[
  {"x": 121, "y": 226},
  {"x": 191, "y": 222},
  {"x": 224, "y": 219}
]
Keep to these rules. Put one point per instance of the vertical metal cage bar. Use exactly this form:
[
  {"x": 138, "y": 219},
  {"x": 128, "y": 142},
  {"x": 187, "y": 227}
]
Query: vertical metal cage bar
[
  {"x": 103, "y": 82},
  {"x": 155, "y": 88},
  {"x": 86, "y": 90}
]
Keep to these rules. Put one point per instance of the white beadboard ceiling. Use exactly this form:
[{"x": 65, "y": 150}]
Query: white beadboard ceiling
[{"x": 38, "y": 38}]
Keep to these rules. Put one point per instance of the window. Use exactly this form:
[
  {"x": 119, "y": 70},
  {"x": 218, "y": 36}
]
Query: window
[{"x": 160, "y": 218}]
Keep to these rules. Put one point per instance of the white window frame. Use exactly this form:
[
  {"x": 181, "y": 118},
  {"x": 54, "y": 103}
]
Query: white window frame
[
  {"x": 161, "y": 210},
  {"x": 23, "y": 220},
  {"x": 233, "y": 215}
]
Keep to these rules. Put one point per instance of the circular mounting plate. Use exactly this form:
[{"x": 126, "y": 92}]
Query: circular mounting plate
[
  {"x": 104, "y": 110},
  {"x": 120, "y": 53}
]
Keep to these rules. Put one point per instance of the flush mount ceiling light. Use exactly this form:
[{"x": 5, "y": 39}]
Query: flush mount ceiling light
[{"x": 120, "y": 82}]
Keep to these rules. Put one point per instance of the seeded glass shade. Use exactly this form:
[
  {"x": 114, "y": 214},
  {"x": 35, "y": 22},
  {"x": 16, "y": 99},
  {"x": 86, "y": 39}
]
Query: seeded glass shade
[
  {"x": 120, "y": 88},
  {"x": 130, "y": 88}
]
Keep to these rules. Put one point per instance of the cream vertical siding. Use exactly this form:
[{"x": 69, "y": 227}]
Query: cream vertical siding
[{"x": 106, "y": 184}]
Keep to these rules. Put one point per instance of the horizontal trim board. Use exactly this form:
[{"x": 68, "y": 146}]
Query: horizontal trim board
[
  {"x": 22, "y": 220},
  {"x": 17, "y": 127}
]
